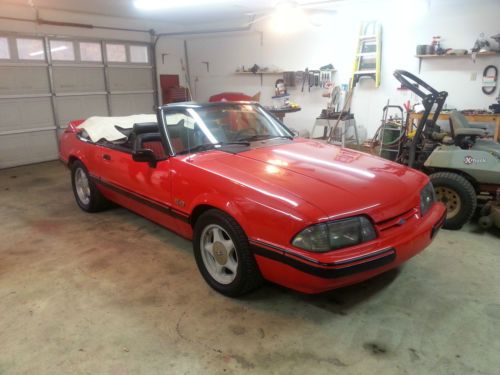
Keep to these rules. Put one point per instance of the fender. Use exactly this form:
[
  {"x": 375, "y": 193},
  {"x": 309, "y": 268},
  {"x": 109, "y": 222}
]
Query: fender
[
  {"x": 72, "y": 147},
  {"x": 221, "y": 203}
]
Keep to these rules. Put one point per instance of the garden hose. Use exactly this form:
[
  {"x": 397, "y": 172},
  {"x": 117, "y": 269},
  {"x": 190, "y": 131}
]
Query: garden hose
[{"x": 488, "y": 90}]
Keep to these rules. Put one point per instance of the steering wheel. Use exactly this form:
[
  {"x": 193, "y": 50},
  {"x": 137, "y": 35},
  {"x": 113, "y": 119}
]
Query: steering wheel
[
  {"x": 409, "y": 80},
  {"x": 247, "y": 131}
]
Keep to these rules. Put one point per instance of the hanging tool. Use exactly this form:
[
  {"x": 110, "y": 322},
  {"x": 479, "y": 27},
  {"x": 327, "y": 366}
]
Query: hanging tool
[{"x": 368, "y": 53}]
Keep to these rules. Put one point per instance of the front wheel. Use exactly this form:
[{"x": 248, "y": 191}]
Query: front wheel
[
  {"x": 223, "y": 254},
  {"x": 458, "y": 195},
  {"x": 87, "y": 195}
]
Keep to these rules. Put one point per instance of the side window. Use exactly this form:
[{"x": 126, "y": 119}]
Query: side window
[
  {"x": 30, "y": 49},
  {"x": 116, "y": 52},
  {"x": 4, "y": 48},
  {"x": 181, "y": 129},
  {"x": 62, "y": 50},
  {"x": 139, "y": 54},
  {"x": 90, "y": 51}
]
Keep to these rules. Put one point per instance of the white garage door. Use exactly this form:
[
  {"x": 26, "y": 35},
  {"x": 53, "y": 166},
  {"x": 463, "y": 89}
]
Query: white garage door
[{"x": 47, "y": 82}]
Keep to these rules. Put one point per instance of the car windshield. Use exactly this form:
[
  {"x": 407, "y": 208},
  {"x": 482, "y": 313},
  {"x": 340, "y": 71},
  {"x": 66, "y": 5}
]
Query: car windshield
[{"x": 199, "y": 128}]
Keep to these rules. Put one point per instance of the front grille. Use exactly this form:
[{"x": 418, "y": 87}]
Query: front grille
[{"x": 396, "y": 221}]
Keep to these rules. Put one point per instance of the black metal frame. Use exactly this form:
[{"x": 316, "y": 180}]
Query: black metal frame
[{"x": 413, "y": 83}]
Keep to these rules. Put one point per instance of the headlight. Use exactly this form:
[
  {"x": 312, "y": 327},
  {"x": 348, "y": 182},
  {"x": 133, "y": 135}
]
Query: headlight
[
  {"x": 427, "y": 198},
  {"x": 335, "y": 235}
]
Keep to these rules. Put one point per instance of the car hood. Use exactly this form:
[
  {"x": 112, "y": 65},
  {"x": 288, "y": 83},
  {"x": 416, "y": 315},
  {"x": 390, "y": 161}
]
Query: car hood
[{"x": 338, "y": 181}]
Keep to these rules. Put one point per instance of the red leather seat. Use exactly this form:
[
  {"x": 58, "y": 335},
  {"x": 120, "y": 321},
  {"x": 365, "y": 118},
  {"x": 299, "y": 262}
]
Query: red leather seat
[{"x": 156, "y": 147}]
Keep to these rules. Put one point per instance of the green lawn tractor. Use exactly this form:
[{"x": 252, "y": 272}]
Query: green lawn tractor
[{"x": 463, "y": 166}]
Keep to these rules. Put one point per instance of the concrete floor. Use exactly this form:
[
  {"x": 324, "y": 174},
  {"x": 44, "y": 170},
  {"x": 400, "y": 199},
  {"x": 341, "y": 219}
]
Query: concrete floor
[{"x": 112, "y": 293}]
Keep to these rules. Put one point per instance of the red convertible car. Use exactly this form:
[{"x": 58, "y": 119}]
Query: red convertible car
[{"x": 256, "y": 202}]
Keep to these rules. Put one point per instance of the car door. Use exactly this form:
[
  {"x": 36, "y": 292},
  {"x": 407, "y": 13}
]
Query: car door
[{"x": 137, "y": 185}]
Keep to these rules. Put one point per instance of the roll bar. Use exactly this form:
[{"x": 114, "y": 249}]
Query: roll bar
[
  {"x": 401, "y": 77},
  {"x": 413, "y": 83}
]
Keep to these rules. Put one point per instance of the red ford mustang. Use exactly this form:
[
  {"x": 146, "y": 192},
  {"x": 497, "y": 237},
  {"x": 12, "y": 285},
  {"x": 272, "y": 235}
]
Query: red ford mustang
[{"x": 256, "y": 202}]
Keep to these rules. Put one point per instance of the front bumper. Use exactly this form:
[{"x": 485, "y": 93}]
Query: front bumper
[{"x": 314, "y": 275}]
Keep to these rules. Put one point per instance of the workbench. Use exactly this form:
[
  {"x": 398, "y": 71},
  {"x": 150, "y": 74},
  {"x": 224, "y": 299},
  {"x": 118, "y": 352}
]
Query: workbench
[
  {"x": 281, "y": 112},
  {"x": 481, "y": 118}
]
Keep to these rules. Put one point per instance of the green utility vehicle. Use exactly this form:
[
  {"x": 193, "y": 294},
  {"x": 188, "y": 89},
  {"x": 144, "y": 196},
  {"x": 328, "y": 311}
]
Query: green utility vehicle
[{"x": 463, "y": 167}]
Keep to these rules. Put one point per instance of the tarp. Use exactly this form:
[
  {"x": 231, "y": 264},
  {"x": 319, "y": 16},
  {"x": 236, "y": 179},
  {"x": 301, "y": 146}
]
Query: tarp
[{"x": 99, "y": 128}]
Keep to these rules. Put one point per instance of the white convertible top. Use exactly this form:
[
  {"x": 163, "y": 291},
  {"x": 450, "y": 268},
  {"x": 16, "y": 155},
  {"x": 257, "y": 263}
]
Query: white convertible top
[{"x": 99, "y": 128}]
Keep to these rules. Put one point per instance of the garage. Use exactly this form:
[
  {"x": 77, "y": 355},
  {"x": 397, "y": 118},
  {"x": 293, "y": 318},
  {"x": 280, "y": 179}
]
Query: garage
[
  {"x": 49, "y": 82},
  {"x": 269, "y": 187}
]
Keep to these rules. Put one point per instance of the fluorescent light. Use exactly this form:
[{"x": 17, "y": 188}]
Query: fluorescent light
[
  {"x": 41, "y": 52},
  {"x": 171, "y": 4}
]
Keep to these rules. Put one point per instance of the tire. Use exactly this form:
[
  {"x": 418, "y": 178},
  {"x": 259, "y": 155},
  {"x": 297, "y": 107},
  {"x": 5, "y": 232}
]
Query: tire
[
  {"x": 93, "y": 201},
  {"x": 485, "y": 222},
  {"x": 228, "y": 265},
  {"x": 459, "y": 196}
]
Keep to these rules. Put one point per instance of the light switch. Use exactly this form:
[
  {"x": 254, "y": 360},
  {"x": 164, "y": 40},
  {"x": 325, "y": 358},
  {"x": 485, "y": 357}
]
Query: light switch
[{"x": 473, "y": 76}]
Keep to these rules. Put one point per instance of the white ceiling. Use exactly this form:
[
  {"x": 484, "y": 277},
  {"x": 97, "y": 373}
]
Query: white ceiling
[{"x": 238, "y": 9}]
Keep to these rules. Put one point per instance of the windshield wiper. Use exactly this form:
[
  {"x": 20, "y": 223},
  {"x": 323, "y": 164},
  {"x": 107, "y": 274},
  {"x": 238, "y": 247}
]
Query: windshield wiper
[
  {"x": 261, "y": 137},
  {"x": 209, "y": 146}
]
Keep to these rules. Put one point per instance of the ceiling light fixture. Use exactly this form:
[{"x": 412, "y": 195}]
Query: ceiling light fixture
[
  {"x": 172, "y": 4},
  {"x": 288, "y": 17}
]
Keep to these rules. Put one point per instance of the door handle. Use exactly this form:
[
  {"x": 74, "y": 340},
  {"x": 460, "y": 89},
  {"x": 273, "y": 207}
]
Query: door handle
[{"x": 106, "y": 157}]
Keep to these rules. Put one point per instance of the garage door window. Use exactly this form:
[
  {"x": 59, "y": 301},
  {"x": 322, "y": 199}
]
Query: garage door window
[
  {"x": 90, "y": 51},
  {"x": 62, "y": 50},
  {"x": 30, "y": 49},
  {"x": 116, "y": 52},
  {"x": 4, "y": 48},
  {"x": 139, "y": 54}
]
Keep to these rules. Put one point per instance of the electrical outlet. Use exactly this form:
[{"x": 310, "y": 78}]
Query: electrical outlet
[{"x": 473, "y": 76}]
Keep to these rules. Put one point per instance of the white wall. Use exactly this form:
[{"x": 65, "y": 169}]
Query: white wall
[{"x": 459, "y": 22}]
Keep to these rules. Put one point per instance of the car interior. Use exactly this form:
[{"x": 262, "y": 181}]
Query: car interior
[{"x": 185, "y": 133}]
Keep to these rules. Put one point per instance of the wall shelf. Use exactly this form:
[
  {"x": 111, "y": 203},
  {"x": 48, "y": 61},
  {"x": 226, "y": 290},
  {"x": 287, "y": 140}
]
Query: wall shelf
[
  {"x": 280, "y": 72},
  {"x": 261, "y": 74},
  {"x": 463, "y": 55},
  {"x": 481, "y": 54}
]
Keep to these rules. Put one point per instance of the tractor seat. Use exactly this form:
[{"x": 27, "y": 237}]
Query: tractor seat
[
  {"x": 469, "y": 132},
  {"x": 461, "y": 128}
]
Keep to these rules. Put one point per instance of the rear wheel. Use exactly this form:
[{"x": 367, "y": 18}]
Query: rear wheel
[
  {"x": 458, "y": 195},
  {"x": 223, "y": 254},
  {"x": 87, "y": 195}
]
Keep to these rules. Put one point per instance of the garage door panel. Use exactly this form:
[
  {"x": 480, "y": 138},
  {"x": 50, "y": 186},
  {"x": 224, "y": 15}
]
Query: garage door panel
[
  {"x": 123, "y": 105},
  {"x": 27, "y": 113},
  {"x": 78, "y": 79},
  {"x": 26, "y": 148},
  {"x": 80, "y": 107},
  {"x": 18, "y": 80},
  {"x": 130, "y": 79}
]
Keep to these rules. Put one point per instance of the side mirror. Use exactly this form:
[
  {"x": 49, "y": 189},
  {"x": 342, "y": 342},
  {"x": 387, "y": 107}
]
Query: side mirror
[{"x": 145, "y": 156}]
